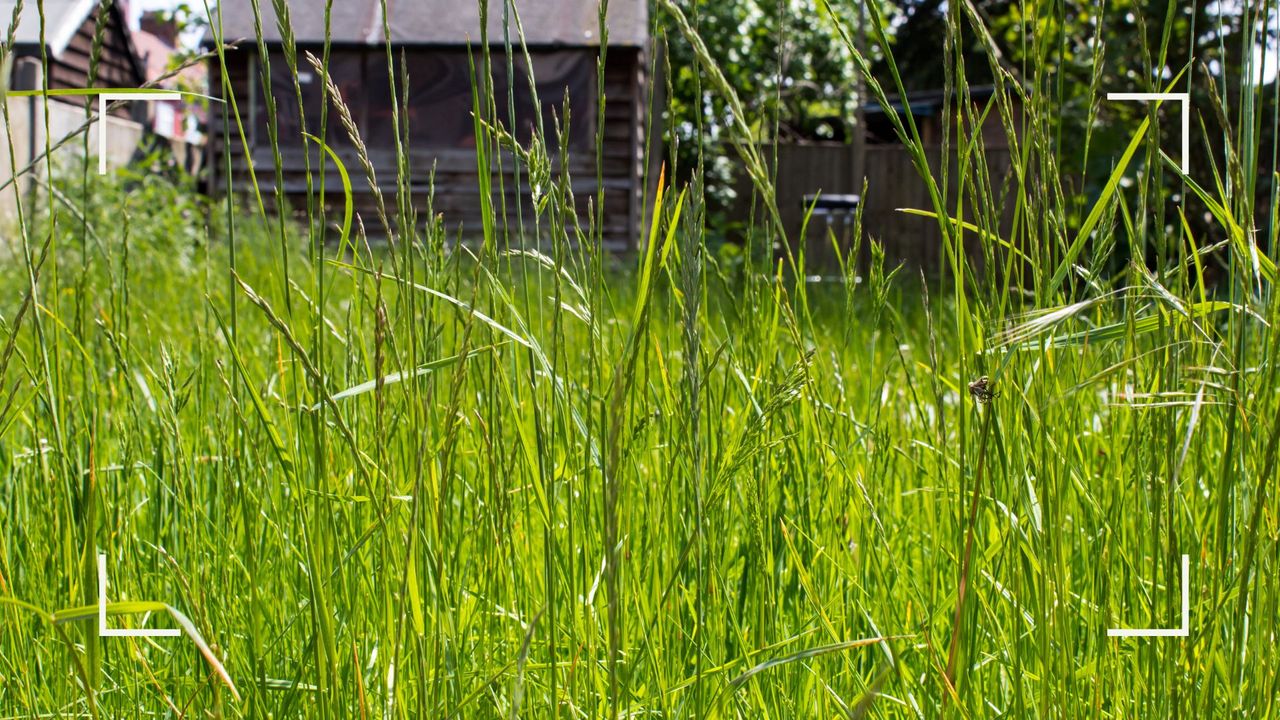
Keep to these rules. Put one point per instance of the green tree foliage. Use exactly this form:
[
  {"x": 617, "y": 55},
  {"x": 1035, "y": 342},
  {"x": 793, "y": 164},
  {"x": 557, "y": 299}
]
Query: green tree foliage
[
  {"x": 1074, "y": 58},
  {"x": 794, "y": 76},
  {"x": 921, "y": 32}
]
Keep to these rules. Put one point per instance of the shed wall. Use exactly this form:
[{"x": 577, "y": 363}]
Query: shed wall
[
  {"x": 441, "y": 130},
  {"x": 117, "y": 67}
]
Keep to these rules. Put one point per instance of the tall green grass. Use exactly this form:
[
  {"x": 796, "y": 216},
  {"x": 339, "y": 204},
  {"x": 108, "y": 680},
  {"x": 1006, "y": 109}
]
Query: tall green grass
[{"x": 521, "y": 478}]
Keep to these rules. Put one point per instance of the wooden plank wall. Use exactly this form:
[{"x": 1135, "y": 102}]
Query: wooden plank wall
[
  {"x": 70, "y": 68},
  {"x": 116, "y": 67},
  {"x": 456, "y": 186}
]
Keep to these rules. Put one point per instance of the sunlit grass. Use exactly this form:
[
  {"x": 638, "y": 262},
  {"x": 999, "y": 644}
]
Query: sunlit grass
[{"x": 436, "y": 480}]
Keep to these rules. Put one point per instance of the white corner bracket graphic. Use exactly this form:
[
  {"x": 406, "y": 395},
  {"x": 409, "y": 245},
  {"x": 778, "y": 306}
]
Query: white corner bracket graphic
[
  {"x": 103, "y": 630},
  {"x": 1183, "y": 631},
  {"x": 1185, "y": 100},
  {"x": 104, "y": 98}
]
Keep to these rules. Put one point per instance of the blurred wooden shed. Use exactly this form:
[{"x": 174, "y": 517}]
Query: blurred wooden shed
[
  {"x": 436, "y": 39},
  {"x": 67, "y": 39}
]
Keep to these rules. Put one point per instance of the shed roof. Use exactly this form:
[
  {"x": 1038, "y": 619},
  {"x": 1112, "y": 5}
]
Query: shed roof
[
  {"x": 444, "y": 22},
  {"x": 61, "y": 20}
]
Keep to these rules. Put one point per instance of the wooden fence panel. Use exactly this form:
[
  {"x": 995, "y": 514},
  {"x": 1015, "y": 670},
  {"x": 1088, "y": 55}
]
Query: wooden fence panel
[{"x": 892, "y": 183}]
